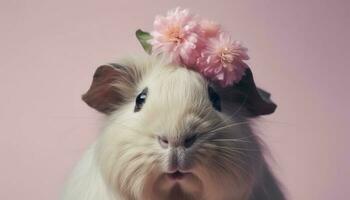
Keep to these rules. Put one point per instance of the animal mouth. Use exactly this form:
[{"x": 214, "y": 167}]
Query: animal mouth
[{"x": 177, "y": 175}]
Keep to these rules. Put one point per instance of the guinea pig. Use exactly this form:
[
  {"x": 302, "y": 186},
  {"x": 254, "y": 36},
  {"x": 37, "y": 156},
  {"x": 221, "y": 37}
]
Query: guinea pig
[{"x": 172, "y": 135}]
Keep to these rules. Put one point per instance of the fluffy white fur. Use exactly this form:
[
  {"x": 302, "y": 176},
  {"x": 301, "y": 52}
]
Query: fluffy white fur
[{"x": 128, "y": 163}]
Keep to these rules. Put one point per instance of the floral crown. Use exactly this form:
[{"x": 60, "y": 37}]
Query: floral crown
[{"x": 202, "y": 45}]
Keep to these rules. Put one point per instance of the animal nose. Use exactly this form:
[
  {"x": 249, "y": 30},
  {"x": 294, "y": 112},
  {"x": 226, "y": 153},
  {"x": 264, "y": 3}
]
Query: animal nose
[{"x": 187, "y": 143}]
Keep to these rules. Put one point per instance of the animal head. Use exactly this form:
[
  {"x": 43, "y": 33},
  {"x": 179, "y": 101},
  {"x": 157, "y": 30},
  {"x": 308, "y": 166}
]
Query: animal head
[{"x": 171, "y": 134}]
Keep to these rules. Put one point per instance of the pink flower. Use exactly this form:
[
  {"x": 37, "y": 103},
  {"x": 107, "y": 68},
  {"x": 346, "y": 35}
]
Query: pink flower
[
  {"x": 199, "y": 44},
  {"x": 221, "y": 61},
  {"x": 209, "y": 28},
  {"x": 177, "y": 36}
]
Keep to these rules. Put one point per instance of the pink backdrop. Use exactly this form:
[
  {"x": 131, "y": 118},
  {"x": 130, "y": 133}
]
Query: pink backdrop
[{"x": 49, "y": 50}]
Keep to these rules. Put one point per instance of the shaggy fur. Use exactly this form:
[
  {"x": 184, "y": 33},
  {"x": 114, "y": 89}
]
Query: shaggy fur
[{"x": 128, "y": 163}]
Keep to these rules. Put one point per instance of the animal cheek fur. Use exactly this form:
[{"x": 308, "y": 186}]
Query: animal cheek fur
[
  {"x": 125, "y": 161},
  {"x": 221, "y": 161}
]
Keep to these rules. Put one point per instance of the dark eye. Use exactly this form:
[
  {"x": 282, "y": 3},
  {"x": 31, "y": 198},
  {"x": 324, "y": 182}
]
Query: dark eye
[
  {"x": 214, "y": 98},
  {"x": 140, "y": 100}
]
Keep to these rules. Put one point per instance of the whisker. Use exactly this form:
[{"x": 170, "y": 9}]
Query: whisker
[
  {"x": 228, "y": 126},
  {"x": 239, "y": 152},
  {"x": 230, "y": 140},
  {"x": 240, "y": 107},
  {"x": 227, "y": 159},
  {"x": 243, "y": 149}
]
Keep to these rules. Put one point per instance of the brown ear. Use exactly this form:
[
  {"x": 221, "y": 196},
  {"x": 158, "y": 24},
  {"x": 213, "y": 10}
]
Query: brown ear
[
  {"x": 245, "y": 93},
  {"x": 111, "y": 86}
]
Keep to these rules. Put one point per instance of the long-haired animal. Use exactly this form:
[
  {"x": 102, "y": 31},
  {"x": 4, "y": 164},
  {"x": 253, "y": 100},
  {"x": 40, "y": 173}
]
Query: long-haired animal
[{"x": 172, "y": 135}]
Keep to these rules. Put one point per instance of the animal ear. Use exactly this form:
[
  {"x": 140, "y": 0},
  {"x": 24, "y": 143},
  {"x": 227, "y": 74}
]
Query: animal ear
[
  {"x": 112, "y": 85},
  {"x": 245, "y": 94},
  {"x": 258, "y": 100}
]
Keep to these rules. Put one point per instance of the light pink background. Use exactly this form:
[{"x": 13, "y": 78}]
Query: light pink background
[{"x": 49, "y": 49}]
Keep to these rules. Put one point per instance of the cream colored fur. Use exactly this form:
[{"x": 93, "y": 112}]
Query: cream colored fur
[{"x": 127, "y": 162}]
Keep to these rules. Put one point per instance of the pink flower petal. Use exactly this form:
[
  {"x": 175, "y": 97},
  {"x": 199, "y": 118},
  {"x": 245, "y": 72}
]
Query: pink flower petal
[{"x": 200, "y": 45}]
